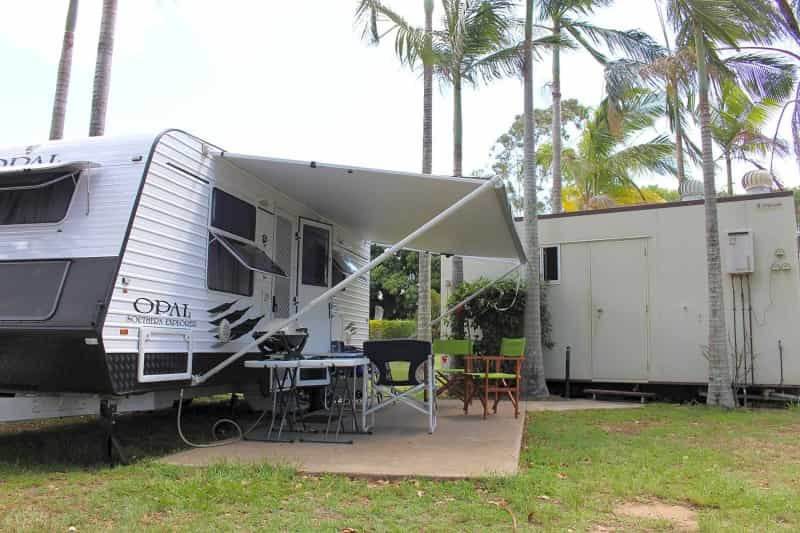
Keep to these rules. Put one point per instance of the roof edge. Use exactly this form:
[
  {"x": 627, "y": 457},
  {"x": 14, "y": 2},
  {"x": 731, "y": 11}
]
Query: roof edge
[{"x": 664, "y": 205}]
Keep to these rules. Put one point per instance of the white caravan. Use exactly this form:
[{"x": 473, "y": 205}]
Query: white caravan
[{"x": 130, "y": 267}]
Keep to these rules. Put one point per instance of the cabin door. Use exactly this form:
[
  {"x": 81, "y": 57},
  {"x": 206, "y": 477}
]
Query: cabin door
[
  {"x": 314, "y": 278},
  {"x": 264, "y": 283},
  {"x": 618, "y": 310}
]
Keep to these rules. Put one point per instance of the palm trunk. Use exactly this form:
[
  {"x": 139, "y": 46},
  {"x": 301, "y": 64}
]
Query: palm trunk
[
  {"x": 102, "y": 72},
  {"x": 458, "y": 133},
  {"x": 679, "y": 155},
  {"x": 719, "y": 378},
  {"x": 729, "y": 170},
  {"x": 64, "y": 71},
  {"x": 555, "y": 200},
  {"x": 424, "y": 263},
  {"x": 534, "y": 382}
]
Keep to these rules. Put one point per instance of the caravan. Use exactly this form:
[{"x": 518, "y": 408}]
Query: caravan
[{"x": 133, "y": 267}]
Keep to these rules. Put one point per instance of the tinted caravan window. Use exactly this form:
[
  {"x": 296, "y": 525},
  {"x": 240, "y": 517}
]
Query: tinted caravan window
[
  {"x": 41, "y": 198},
  {"x": 235, "y": 216},
  {"x": 316, "y": 241},
  {"x": 225, "y": 272}
]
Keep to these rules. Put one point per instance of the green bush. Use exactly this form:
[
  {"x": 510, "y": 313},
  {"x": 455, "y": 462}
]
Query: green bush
[
  {"x": 497, "y": 313},
  {"x": 392, "y": 329}
]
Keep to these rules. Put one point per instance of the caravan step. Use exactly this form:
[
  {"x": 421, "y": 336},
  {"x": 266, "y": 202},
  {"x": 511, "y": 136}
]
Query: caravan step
[{"x": 643, "y": 396}]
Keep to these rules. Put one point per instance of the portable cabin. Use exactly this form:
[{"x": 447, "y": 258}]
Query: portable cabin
[
  {"x": 626, "y": 289},
  {"x": 134, "y": 265}
]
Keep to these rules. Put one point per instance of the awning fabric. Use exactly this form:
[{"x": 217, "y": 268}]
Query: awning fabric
[{"x": 385, "y": 206}]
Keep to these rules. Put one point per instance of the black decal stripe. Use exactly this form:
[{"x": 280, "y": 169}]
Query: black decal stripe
[
  {"x": 222, "y": 308},
  {"x": 245, "y": 327},
  {"x": 230, "y": 317},
  {"x": 187, "y": 172}
]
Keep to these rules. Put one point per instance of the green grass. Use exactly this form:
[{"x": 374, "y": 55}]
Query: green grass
[{"x": 738, "y": 471}]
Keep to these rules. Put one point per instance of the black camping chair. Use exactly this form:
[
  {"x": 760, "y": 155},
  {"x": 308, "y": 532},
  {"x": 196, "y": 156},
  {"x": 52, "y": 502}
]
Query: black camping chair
[{"x": 419, "y": 377}]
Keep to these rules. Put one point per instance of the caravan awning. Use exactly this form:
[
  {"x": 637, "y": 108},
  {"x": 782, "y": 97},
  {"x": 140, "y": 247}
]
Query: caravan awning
[{"x": 386, "y": 206}]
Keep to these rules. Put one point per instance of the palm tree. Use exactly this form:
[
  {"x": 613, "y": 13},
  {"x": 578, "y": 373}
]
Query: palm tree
[
  {"x": 762, "y": 75},
  {"x": 736, "y": 124},
  {"x": 562, "y": 14},
  {"x": 786, "y": 16},
  {"x": 64, "y": 71},
  {"x": 705, "y": 24},
  {"x": 102, "y": 72},
  {"x": 473, "y": 44},
  {"x": 608, "y": 154},
  {"x": 369, "y": 10},
  {"x": 535, "y": 383},
  {"x": 424, "y": 265}
]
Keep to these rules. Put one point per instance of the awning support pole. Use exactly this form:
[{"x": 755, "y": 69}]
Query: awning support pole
[
  {"x": 202, "y": 378},
  {"x": 474, "y": 295}
]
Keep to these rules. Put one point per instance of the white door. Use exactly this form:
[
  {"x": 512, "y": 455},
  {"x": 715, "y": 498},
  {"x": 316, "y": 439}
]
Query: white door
[
  {"x": 265, "y": 239},
  {"x": 619, "y": 314},
  {"x": 314, "y": 278}
]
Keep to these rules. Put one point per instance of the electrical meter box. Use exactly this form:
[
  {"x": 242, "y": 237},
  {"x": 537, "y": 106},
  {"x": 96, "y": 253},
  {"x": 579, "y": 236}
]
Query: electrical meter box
[{"x": 739, "y": 248}]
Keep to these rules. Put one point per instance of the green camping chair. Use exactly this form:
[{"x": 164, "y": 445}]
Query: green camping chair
[
  {"x": 492, "y": 378},
  {"x": 450, "y": 379}
]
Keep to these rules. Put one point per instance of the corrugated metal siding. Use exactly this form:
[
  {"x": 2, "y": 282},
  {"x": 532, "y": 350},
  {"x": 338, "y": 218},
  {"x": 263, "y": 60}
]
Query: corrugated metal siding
[
  {"x": 352, "y": 305},
  {"x": 96, "y": 231},
  {"x": 166, "y": 252}
]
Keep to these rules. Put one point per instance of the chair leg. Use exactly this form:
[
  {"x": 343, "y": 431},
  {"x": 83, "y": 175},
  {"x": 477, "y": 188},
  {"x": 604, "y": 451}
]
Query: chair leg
[
  {"x": 486, "y": 397},
  {"x": 467, "y": 393}
]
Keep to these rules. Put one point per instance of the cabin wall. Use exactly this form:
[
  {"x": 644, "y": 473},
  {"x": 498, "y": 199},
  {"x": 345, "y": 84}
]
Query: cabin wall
[{"x": 631, "y": 301}]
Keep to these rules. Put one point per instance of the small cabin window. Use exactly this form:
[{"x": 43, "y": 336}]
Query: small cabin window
[
  {"x": 41, "y": 198},
  {"x": 549, "y": 264}
]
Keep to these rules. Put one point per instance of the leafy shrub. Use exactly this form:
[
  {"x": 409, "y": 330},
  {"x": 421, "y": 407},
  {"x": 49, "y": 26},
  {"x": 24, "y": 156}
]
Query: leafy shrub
[
  {"x": 497, "y": 313},
  {"x": 392, "y": 329}
]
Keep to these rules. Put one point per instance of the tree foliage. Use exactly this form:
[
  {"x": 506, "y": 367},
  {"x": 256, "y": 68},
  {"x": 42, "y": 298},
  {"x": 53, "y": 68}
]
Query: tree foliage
[
  {"x": 495, "y": 314},
  {"x": 393, "y": 285},
  {"x": 507, "y": 153}
]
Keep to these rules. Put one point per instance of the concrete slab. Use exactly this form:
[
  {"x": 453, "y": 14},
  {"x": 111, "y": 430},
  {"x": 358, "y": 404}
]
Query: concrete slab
[
  {"x": 577, "y": 404},
  {"x": 462, "y": 447}
]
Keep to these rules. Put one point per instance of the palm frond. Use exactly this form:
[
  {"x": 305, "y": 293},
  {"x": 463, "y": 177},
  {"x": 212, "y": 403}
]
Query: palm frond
[
  {"x": 764, "y": 75},
  {"x": 634, "y": 44}
]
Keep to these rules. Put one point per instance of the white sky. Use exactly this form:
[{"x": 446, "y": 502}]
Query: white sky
[{"x": 282, "y": 79}]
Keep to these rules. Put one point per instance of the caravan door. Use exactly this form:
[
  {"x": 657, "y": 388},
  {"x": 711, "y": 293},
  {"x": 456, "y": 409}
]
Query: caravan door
[{"x": 314, "y": 278}]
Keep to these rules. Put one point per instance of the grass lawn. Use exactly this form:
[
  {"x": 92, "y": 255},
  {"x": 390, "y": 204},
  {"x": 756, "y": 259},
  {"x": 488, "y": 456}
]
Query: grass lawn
[{"x": 732, "y": 471}]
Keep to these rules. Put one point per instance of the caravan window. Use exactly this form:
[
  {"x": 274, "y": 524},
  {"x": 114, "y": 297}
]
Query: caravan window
[
  {"x": 225, "y": 273},
  {"x": 41, "y": 198},
  {"x": 316, "y": 242},
  {"x": 344, "y": 264},
  {"x": 236, "y": 217},
  {"x": 548, "y": 263}
]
